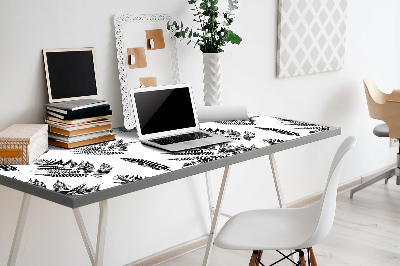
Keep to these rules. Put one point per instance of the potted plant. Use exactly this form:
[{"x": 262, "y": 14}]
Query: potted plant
[{"x": 212, "y": 35}]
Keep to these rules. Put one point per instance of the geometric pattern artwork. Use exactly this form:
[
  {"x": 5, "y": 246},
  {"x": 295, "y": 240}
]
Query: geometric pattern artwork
[
  {"x": 311, "y": 36},
  {"x": 101, "y": 166}
]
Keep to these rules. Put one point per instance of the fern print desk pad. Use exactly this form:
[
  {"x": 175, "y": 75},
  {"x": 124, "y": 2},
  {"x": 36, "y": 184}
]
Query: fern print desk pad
[{"x": 90, "y": 174}]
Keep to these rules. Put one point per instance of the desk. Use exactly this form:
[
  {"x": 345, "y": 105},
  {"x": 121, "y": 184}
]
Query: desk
[{"x": 91, "y": 174}]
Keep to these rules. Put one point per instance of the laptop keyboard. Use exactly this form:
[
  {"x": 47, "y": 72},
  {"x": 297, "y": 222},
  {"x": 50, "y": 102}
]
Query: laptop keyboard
[{"x": 180, "y": 138}]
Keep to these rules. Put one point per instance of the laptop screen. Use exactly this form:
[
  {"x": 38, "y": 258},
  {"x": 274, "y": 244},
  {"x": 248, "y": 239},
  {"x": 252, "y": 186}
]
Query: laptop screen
[{"x": 164, "y": 110}]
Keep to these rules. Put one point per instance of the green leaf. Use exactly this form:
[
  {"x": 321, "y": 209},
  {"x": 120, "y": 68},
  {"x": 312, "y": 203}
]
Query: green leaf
[
  {"x": 214, "y": 2},
  {"x": 204, "y": 5},
  {"x": 233, "y": 38},
  {"x": 232, "y": 4}
]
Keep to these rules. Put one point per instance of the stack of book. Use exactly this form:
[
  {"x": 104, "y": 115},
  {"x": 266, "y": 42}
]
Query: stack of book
[{"x": 78, "y": 123}]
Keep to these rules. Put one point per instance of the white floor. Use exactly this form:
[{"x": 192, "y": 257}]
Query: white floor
[{"x": 366, "y": 232}]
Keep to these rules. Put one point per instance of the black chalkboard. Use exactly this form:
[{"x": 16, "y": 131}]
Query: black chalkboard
[{"x": 70, "y": 73}]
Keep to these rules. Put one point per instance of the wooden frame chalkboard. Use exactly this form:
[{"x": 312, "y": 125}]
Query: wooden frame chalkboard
[{"x": 70, "y": 74}]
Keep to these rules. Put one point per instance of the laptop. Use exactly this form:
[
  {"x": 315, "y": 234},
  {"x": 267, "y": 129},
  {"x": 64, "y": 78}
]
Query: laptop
[{"x": 166, "y": 118}]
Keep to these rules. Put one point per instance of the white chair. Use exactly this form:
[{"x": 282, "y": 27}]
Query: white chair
[{"x": 287, "y": 229}]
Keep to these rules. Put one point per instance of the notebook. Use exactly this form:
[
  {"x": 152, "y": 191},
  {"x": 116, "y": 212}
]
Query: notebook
[{"x": 166, "y": 118}]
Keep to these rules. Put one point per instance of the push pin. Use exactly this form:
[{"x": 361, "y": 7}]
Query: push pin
[
  {"x": 151, "y": 43},
  {"x": 132, "y": 59}
]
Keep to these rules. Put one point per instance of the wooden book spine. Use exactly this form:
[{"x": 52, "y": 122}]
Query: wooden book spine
[
  {"x": 79, "y": 131},
  {"x": 81, "y": 143}
]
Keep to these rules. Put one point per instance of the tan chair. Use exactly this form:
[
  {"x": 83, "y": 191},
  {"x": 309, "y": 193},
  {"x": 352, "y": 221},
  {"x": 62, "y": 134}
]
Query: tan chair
[{"x": 385, "y": 107}]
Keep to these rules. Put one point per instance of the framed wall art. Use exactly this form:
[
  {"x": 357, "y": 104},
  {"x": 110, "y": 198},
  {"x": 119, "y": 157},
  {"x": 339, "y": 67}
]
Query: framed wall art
[
  {"x": 146, "y": 54},
  {"x": 311, "y": 36}
]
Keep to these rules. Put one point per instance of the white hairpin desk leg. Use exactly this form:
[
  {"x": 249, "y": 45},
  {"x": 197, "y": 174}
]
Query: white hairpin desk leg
[
  {"x": 19, "y": 229},
  {"x": 277, "y": 182},
  {"x": 215, "y": 217},
  {"x": 95, "y": 258},
  {"x": 210, "y": 194},
  {"x": 85, "y": 236},
  {"x": 101, "y": 233},
  {"x": 278, "y": 187}
]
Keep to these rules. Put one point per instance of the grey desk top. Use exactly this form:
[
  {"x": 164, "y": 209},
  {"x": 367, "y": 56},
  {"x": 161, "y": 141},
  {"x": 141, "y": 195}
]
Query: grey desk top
[{"x": 90, "y": 174}]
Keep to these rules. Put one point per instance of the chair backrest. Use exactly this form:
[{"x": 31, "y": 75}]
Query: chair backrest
[
  {"x": 375, "y": 99},
  {"x": 327, "y": 203},
  {"x": 382, "y": 106},
  {"x": 379, "y": 96},
  {"x": 369, "y": 85}
]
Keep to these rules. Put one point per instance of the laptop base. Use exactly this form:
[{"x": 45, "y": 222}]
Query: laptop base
[{"x": 191, "y": 144}]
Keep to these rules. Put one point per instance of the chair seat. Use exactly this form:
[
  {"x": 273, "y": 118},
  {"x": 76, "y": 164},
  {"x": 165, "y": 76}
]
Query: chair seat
[
  {"x": 269, "y": 229},
  {"x": 381, "y": 130}
]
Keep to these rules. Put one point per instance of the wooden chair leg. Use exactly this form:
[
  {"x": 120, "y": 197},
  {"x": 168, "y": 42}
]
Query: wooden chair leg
[
  {"x": 255, "y": 257},
  {"x": 302, "y": 259},
  {"x": 313, "y": 260}
]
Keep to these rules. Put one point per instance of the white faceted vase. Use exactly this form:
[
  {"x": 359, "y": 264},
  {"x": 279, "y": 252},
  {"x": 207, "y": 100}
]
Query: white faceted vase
[{"x": 212, "y": 75}]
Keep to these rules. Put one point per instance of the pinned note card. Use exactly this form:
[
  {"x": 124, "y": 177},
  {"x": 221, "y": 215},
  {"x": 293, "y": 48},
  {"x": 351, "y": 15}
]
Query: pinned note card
[
  {"x": 148, "y": 82},
  {"x": 137, "y": 58},
  {"x": 155, "y": 39}
]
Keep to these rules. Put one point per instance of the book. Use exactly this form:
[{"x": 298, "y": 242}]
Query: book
[
  {"x": 79, "y": 137},
  {"x": 77, "y": 104},
  {"x": 79, "y": 111},
  {"x": 77, "y": 132},
  {"x": 79, "y": 116},
  {"x": 78, "y": 121},
  {"x": 81, "y": 143},
  {"x": 69, "y": 127}
]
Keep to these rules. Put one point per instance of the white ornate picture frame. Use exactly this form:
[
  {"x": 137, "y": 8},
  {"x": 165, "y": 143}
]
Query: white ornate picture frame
[{"x": 130, "y": 32}]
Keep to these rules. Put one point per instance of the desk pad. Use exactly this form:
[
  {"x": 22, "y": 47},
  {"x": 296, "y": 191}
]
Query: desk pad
[{"x": 97, "y": 167}]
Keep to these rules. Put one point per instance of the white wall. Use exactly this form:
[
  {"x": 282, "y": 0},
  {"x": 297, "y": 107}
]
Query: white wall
[{"x": 148, "y": 221}]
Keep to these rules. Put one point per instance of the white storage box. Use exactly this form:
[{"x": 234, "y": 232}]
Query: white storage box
[{"x": 23, "y": 143}]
